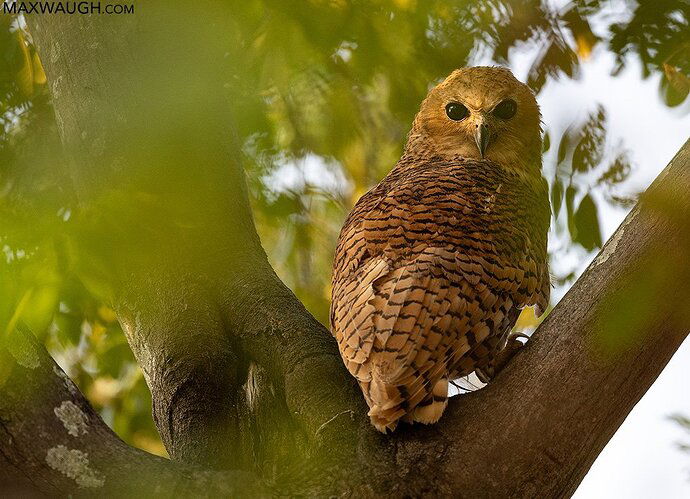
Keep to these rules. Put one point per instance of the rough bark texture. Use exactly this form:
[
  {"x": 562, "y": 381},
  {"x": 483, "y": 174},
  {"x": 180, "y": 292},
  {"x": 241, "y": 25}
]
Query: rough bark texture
[
  {"x": 243, "y": 377},
  {"x": 52, "y": 443}
]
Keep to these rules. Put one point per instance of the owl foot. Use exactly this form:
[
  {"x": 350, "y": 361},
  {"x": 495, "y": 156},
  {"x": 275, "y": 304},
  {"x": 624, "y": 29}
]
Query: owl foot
[{"x": 512, "y": 346}]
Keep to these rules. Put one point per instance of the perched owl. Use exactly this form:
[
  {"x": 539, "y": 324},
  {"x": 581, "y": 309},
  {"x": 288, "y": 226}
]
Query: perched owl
[{"x": 435, "y": 263}]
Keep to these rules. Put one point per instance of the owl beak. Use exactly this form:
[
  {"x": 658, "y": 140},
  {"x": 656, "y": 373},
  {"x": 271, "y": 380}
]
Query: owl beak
[{"x": 481, "y": 136}]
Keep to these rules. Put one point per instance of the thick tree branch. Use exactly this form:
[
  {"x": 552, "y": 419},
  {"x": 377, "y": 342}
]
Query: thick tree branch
[
  {"x": 53, "y": 443},
  {"x": 234, "y": 361}
]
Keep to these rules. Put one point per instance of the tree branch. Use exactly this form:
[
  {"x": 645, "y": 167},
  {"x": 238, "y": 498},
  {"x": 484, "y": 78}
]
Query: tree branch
[
  {"x": 538, "y": 428},
  {"x": 53, "y": 443}
]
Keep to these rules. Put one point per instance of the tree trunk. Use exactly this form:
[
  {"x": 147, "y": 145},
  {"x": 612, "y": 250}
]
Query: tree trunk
[{"x": 242, "y": 377}]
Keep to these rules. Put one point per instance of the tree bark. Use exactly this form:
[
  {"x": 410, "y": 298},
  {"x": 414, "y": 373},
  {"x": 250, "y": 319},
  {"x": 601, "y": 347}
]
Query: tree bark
[
  {"x": 52, "y": 443},
  {"x": 242, "y": 377}
]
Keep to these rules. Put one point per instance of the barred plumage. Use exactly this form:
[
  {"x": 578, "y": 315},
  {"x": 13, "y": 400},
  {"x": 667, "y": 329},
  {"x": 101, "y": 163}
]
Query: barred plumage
[{"x": 434, "y": 264}]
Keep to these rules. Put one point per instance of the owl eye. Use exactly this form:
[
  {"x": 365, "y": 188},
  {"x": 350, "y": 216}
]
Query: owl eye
[
  {"x": 456, "y": 111},
  {"x": 505, "y": 110}
]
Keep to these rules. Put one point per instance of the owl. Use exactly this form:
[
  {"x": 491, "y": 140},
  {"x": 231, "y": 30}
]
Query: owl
[{"x": 435, "y": 263}]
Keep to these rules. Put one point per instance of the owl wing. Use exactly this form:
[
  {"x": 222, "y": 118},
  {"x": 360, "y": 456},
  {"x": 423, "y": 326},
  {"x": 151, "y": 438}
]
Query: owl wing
[
  {"x": 430, "y": 308},
  {"x": 392, "y": 315},
  {"x": 417, "y": 286}
]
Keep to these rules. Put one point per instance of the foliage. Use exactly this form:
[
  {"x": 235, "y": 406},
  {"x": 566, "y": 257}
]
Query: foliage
[
  {"x": 684, "y": 423},
  {"x": 322, "y": 95}
]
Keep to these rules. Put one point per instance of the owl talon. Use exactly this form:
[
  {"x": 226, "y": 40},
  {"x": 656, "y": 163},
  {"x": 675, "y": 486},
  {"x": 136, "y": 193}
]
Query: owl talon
[
  {"x": 485, "y": 375},
  {"x": 512, "y": 346}
]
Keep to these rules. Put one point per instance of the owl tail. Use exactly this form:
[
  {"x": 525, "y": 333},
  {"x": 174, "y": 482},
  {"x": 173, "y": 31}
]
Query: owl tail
[
  {"x": 386, "y": 403},
  {"x": 431, "y": 408},
  {"x": 389, "y": 403}
]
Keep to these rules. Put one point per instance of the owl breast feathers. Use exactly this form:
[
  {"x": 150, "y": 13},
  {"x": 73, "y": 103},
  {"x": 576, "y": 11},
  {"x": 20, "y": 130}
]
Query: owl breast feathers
[{"x": 435, "y": 263}]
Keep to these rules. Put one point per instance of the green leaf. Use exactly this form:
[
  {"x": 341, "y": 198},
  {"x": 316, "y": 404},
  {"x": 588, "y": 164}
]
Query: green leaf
[
  {"x": 590, "y": 148},
  {"x": 569, "y": 200},
  {"x": 546, "y": 144},
  {"x": 564, "y": 146},
  {"x": 587, "y": 231},
  {"x": 556, "y": 197}
]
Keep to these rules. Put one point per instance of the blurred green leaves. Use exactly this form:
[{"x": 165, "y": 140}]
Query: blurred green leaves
[
  {"x": 581, "y": 156},
  {"x": 653, "y": 288},
  {"x": 684, "y": 423},
  {"x": 586, "y": 231},
  {"x": 658, "y": 34}
]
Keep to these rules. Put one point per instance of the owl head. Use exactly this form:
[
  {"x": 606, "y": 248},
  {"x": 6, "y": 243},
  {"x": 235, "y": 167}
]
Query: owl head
[{"x": 480, "y": 113}]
